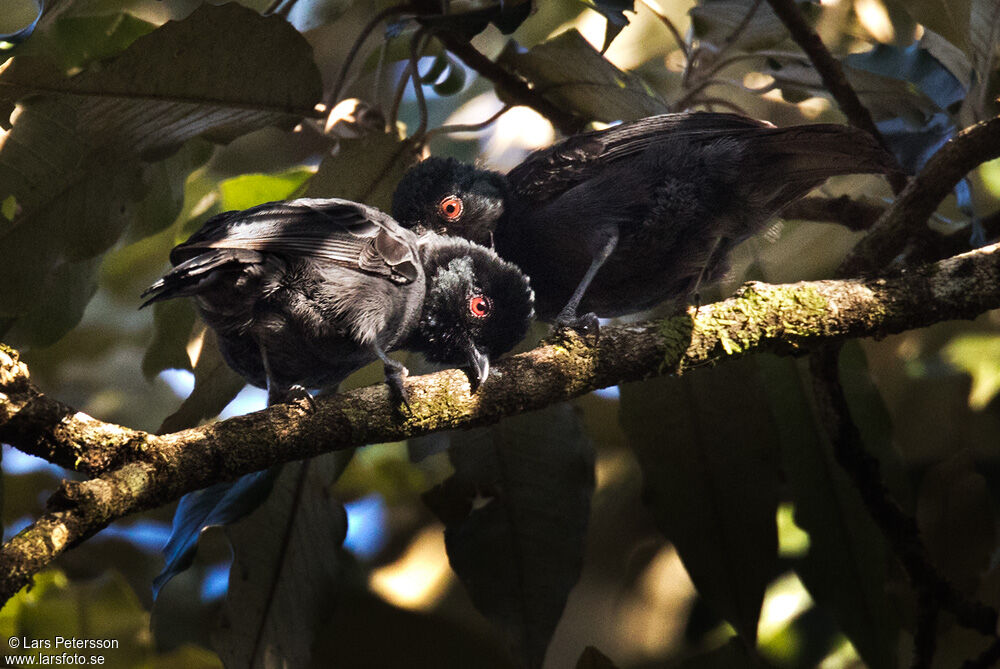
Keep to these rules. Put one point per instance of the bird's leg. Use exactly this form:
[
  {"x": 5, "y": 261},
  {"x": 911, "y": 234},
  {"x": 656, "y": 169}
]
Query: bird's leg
[
  {"x": 695, "y": 292},
  {"x": 588, "y": 322},
  {"x": 280, "y": 394},
  {"x": 395, "y": 374}
]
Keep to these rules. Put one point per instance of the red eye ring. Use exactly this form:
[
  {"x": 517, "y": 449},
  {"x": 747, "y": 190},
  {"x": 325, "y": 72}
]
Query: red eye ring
[
  {"x": 480, "y": 306},
  {"x": 451, "y": 207}
]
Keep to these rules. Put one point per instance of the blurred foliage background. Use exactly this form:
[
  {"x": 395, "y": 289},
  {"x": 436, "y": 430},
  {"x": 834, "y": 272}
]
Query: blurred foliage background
[{"x": 660, "y": 522}]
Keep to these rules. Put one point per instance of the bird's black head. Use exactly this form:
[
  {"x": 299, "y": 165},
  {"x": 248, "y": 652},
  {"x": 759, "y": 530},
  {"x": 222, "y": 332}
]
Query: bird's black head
[
  {"x": 477, "y": 306},
  {"x": 452, "y": 198}
]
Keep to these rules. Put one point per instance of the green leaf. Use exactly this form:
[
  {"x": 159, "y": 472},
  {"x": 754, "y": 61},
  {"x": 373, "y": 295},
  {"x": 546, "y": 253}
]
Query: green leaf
[
  {"x": 215, "y": 385},
  {"x": 249, "y": 190},
  {"x": 75, "y": 41},
  {"x": 706, "y": 443},
  {"x": 515, "y": 514},
  {"x": 365, "y": 169},
  {"x": 72, "y": 157},
  {"x": 67, "y": 291},
  {"x": 286, "y": 569},
  {"x": 846, "y": 568},
  {"x": 978, "y": 355},
  {"x": 104, "y": 608},
  {"x": 576, "y": 77}
]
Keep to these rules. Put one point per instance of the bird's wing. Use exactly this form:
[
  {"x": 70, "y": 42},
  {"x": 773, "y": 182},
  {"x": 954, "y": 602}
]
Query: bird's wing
[
  {"x": 338, "y": 231},
  {"x": 549, "y": 172}
]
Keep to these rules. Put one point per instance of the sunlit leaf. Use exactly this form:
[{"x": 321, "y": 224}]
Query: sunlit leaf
[
  {"x": 707, "y": 447},
  {"x": 286, "y": 568},
  {"x": 570, "y": 72},
  {"x": 249, "y": 190},
  {"x": 516, "y": 518},
  {"x": 978, "y": 355}
]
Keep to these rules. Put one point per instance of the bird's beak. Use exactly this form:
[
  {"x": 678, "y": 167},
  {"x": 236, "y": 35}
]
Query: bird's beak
[{"x": 480, "y": 363}]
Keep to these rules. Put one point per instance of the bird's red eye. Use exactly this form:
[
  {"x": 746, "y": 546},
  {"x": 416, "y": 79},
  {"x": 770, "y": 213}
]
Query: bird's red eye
[
  {"x": 451, "y": 207},
  {"x": 480, "y": 306}
]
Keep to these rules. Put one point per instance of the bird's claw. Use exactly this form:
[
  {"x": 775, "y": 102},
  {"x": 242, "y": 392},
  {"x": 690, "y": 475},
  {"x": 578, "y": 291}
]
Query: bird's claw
[
  {"x": 394, "y": 379},
  {"x": 587, "y": 325},
  {"x": 297, "y": 394}
]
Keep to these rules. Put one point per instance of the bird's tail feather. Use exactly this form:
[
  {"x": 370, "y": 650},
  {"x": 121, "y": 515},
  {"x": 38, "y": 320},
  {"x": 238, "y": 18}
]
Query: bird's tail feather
[
  {"x": 194, "y": 275},
  {"x": 802, "y": 157}
]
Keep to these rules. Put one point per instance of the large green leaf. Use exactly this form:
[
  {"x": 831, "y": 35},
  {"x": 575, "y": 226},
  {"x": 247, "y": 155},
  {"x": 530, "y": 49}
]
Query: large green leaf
[
  {"x": 286, "y": 569},
  {"x": 73, "y": 160},
  {"x": 516, "y": 514},
  {"x": 573, "y": 74},
  {"x": 707, "y": 446},
  {"x": 846, "y": 568}
]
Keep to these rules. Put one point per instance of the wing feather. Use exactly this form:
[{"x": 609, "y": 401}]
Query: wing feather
[{"x": 337, "y": 231}]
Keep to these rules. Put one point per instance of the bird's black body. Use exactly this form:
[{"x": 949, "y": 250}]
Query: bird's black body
[
  {"x": 304, "y": 293},
  {"x": 618, "y": 220}
]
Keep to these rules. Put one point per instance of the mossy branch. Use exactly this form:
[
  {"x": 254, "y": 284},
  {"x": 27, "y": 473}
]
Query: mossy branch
[{"x": 156, "y": 469}]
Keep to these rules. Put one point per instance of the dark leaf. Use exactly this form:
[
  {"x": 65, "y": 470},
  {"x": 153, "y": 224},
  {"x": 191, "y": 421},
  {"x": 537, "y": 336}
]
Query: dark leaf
[
  {"x": 454, "y": 82},
  {"x": 77, "y": 186},
  {"x": 571, "y": 73},
  {"x": 286, "y": 568},
  {"x": 707, "y": 446},
  {"x": 732, "y": 655},
  {"x": 957, "y": 521},
  {"x": 715, "y": 21},
  {"x": 592, "y": 658},
  {"x": 614, "y": 12},
  {"x": 217, "y": 505},
  {"x": 516, "y": 512},
  {"x": 366, "y": 169},
  {"x": 846, "y": 568}
]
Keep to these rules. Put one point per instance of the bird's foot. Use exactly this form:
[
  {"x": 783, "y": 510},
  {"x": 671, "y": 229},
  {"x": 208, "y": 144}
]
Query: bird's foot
[
  {"x": 587, "y": 325},
  {"x": 394, "y": 378},
  {"x": 294, "y": 394}
]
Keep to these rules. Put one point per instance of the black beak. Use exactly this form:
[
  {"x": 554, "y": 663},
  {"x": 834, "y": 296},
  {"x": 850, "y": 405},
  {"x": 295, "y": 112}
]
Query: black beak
[{"x": 480, "y": 364}]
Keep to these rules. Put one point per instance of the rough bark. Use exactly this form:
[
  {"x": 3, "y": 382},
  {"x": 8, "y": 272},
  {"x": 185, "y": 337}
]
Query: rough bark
[{"x": 152, "y": 470}]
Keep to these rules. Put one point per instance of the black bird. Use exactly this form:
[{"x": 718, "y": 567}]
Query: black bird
[
  {"x": 303, "y": 293},
  {"x": 618, "y": 220}
]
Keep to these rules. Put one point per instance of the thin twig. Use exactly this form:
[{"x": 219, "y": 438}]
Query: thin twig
[
  {"x": 417, "y": 45},
  {"x": 467, "y": 127},
  {"x": 898, "y": 527},
  {"x": 512, "y": 85},
  {"x": 359, "y": 41}
]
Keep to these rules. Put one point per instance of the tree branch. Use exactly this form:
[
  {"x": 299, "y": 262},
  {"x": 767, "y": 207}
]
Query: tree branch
[
  {"x": 832, "y": 75},
  {"x": 907, "y": 218},
  {"x": 789, "y": 319},
  {"x": 515, "y": 88},
  {"x": 47, "y": 428}
]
